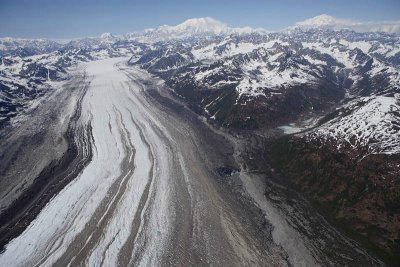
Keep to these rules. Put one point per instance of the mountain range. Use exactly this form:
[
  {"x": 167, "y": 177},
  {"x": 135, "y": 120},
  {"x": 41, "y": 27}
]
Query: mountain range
[{"x": 324, "y": 95}]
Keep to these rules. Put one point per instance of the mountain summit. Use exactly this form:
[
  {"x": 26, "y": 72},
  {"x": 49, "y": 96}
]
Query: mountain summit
[
  {"x": 108, "y": 37},
  {"x": 325, "y": 21},
  {"x": 191, "y": 28},
  {"x": 198, "y": 25}
]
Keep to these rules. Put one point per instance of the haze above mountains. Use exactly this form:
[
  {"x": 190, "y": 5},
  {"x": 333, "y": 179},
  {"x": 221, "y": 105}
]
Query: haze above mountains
[{"x": 208, "y": 25}]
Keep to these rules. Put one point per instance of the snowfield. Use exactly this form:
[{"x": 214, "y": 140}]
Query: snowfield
[{"x": 373, "y": 124}]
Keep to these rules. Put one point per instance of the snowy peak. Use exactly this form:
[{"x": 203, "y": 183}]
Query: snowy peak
[
  {"x": 108, "y": 37},
  {"x": 200, "y": 25},
  {"x": 324, "y": 21},
  {"x": 194, "y": 27}
]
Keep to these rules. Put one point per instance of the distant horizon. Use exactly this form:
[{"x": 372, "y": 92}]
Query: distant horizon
[
  {"x": 58, "y": 20},
  {"x": 66, "y": 39}
]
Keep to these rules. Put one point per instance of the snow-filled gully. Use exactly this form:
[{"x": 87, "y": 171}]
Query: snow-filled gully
[{"x": 144, "y": 199}]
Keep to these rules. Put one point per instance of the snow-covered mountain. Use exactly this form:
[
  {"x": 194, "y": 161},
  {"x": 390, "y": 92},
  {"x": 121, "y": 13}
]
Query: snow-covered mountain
[
  {"x": 324, "y": 21},
  {"x": 235, "y": 75},
  {"x": 196, "y": 27},
  {"x": 333, "y": 23},
  {"x": 27, "y": 47},
  {"x": 234, "y": 72},
  {"x": 26, "y": 79},
  {"x": 193, "y": 26},
  {"x": 284, "y": 75},
  {"x": 371, "y": 124},
  {"x": 336, "y": 81},
  {"x": 108, "y": 37}
]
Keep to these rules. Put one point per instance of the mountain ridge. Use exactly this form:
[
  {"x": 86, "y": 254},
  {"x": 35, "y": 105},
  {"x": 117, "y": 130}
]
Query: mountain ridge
[
  {"x": 209, "y": 25},
  {"x": 333, "y": 94}
]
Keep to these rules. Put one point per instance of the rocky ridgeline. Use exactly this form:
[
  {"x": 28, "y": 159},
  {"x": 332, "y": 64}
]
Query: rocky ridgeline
[{"x": 347, "y": 162}]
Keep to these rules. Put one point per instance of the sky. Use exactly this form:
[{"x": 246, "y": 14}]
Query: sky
[{"x": 73, "y": 18}]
